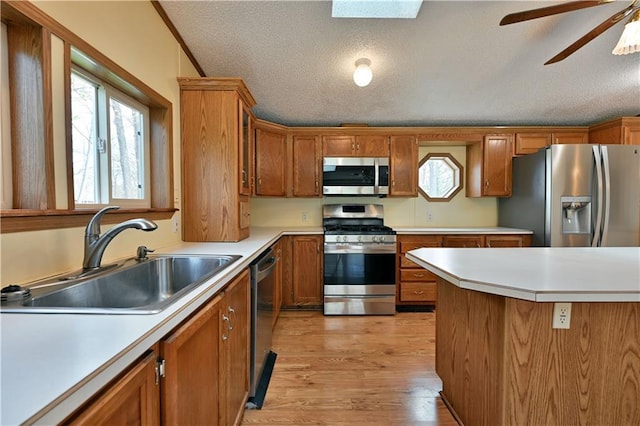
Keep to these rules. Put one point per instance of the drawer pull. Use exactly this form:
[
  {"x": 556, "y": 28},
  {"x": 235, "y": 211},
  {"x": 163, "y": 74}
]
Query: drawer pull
[
  {"x": 419, "y": 293},
  {"x": 418, "y": 275}
]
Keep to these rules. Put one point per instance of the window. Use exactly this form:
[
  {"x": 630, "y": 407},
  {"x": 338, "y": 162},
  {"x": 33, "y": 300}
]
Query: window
[
  {"x": 110, "y": 144},
  {"x": 439, "y": 177}
]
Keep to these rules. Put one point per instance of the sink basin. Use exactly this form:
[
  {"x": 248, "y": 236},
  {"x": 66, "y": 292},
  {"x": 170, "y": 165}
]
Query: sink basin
[{"x": 133, "y": 287}]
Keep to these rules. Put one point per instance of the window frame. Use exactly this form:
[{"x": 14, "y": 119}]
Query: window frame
[
  {"x": 454, "y": 192},
  {"x": 29, "y": 23},
  {"x": 6, "y": 190},
  {"x": 105, "y": 92}
]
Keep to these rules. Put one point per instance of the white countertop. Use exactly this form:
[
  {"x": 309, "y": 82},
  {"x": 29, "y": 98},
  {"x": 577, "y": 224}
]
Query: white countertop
[
  {"x": 50, "y": 364},
  {"x": 460, "y": 230},
  {"x": 540, "y": 274}
]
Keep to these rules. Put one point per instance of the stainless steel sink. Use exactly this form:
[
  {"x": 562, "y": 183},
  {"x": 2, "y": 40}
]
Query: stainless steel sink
[{"x": 134, "y": 287}]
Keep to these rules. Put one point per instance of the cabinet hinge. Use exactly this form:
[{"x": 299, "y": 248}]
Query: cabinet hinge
[{"x": 159, "y": 369}]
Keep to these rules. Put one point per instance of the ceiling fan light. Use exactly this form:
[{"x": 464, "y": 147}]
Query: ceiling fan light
[
  {"x": 362, "y": 75},
  {"x": 630, "y": 39}
]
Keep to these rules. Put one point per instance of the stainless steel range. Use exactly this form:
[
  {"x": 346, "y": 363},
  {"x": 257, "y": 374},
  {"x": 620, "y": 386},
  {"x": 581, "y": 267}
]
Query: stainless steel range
[{"x": 359, "y": 261}]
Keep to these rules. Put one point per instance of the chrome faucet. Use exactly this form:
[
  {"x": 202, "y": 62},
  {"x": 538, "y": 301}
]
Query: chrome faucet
[{"x": 94, "y": 244}]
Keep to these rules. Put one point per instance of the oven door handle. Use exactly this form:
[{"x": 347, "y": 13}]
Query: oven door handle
[{"x": 332, "y": 248}]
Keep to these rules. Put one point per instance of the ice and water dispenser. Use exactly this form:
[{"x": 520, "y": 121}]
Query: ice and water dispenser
[{"x": 576, "y": 215}]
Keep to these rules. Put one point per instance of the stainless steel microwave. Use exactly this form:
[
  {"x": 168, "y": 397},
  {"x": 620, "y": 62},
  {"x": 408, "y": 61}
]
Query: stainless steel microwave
[{"x": 355, "y": 176}]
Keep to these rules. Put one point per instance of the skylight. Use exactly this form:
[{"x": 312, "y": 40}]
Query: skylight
[{"x": 406, "y": 9}]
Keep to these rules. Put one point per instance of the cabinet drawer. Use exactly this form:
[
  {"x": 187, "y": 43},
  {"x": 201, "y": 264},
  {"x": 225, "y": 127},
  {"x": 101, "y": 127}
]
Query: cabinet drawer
[
  {"x": 418, "y": 292},
  {"x": 416, "y": 275},
  {"x": 406, "y": 263},
  {"x": 414, "y": 243}
]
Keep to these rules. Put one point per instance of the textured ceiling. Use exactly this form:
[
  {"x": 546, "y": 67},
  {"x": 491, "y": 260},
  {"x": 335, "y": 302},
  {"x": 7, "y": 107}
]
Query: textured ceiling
[{"x": 453, "y": 65}]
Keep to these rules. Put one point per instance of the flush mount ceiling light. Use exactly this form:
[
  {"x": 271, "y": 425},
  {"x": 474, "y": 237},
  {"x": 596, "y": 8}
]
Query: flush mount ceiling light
[
  {"x": 362, "y": 75},
  {"x": 630, "y": 39},
  {"x": 375, "y": 8}
]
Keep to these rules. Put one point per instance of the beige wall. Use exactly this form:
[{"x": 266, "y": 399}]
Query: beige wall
[
  {"x": 460, "y": 211},
  {"x": 134, "y": 36}
]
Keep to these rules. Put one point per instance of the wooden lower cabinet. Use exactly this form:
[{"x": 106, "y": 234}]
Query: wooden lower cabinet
[
  {"x": 417, "y": 286},
  {"x": 463, "y": 241},
  {"x": 189, "y": 389},
  {"x": 497, "y": 241},
  {"x": 302, "y": 268},
  {"x": 234, "y": 350},
  {"x": 196, "y": 375},
  {"x": 131, "y": 399}
]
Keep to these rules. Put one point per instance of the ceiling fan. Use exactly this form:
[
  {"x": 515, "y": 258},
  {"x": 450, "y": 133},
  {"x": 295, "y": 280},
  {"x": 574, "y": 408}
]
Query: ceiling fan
[{"x": 569, "y": 7}]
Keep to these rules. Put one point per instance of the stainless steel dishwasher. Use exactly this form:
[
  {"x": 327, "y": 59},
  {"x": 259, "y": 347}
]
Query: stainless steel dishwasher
[{"x": 262, "y": 358}]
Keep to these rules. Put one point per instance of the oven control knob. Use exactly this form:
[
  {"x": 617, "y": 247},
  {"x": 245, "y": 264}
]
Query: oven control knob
[
  {"x": 359, "y": 238},
  {"x": 376, "y": 239}
]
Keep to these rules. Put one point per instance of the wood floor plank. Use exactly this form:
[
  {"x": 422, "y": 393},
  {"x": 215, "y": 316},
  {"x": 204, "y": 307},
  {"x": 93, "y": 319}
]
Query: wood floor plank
[{"x": 373, "y": 370}]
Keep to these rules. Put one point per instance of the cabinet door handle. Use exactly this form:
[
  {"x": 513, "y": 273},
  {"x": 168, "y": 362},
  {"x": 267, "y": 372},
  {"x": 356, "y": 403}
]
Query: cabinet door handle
[
  {"x": 226, "y": 318},
  {"x": 358, "y": 146},
  {"x": 232, "y": 312},
  {"x": 486, "y": 183},
  {"x": 418, "y": 293},
  {"x": 244, "y": 176},
  {"x": 353, "y": 146},
  {"x": 418, "y": 275}
]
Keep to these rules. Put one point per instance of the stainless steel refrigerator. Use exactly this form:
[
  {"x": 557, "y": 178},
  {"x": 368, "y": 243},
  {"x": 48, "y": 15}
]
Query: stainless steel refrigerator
[{"x": 576, "y": 196}]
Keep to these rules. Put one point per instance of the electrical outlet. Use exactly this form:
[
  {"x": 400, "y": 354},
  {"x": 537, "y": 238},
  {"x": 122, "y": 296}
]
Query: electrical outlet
[
  {"x": 429, "y": 217},
  {"x": 561, "y": 315},
  {"x": 305, "y": 216},
  {"x": 175, "y": 224}
]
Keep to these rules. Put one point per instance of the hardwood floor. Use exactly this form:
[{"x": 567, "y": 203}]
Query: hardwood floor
[{"x": 372, "y": 370}]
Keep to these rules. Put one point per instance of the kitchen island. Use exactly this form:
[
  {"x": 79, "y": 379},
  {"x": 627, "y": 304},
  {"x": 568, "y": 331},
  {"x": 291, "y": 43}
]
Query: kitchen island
[{"x": 500, "y": 360}]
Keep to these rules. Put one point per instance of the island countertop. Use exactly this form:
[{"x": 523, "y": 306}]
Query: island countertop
[{"x": 540, "y": 274}]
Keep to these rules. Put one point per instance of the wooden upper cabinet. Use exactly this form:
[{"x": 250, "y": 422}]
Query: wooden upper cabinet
[
  {"x": 270, "y": 159},
  {"x": 558, "y": 138},
  {"x": 355, "y": 146},
  {"x": 625, "y": 130},
  {"x": 528, "y": 143},
  {"x": 404, "y": 166},
  {"x": 372, "y": 146},
  {"x": 338, "y": 146},
  {"x": 489, "y": 166},
  {"x": 306, "y": 162},
  {"x": 246, "y": 154},
  {"x": 216, "y": 149}
]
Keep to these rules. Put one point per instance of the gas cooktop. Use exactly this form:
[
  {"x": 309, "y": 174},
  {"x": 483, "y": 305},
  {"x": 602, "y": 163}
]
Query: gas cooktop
[{"x": 339, "y": 229}]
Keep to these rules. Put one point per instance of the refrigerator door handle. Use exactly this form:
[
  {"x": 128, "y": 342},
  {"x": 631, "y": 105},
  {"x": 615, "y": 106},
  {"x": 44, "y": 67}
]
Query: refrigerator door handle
[
  {"x": 597, "y": 229},
  {"x": 607, "y": 196}
]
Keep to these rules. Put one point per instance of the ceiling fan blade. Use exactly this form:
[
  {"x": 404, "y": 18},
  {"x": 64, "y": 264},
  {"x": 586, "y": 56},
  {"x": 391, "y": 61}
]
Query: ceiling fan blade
[
  {"x": 608, "y": 23},
  {"x": 548, "y": 11}
]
